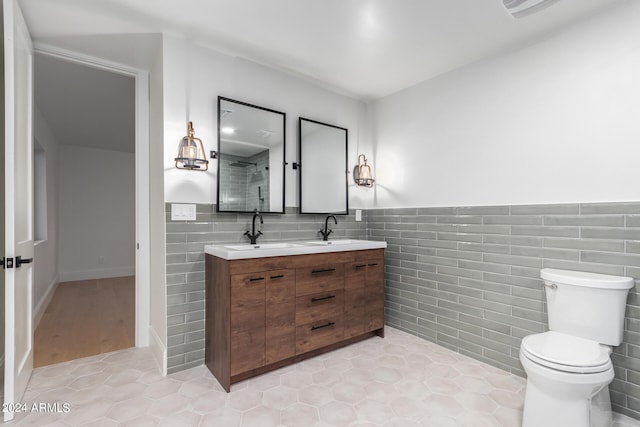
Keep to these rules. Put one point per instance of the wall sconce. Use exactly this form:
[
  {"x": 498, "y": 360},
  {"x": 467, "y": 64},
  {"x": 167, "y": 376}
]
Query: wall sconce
[
  {"x": 191, "y": 152},
  {"x": 362, "y": 174}
]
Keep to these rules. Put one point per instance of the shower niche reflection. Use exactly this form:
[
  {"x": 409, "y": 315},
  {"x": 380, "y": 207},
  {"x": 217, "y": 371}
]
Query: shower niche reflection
[{"x": 251, "y": 150}]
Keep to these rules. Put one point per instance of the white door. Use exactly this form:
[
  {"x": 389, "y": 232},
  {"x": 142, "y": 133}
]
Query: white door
[{"x": 18, "y": 79}]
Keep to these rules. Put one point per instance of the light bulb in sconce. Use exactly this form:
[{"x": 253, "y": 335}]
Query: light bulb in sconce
[
  {"x": 362, "y": 174},
  {"x": 191, "y": 152}
]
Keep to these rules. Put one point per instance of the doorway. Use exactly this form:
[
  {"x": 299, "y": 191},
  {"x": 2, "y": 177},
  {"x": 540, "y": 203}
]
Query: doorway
[{"x": 86, "y": 125}]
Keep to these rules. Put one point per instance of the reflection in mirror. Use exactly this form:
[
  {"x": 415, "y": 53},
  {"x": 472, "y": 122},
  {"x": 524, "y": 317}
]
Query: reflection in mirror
[
  {"x": 251, "y": 153},
  {"x": 323, "y": 167}
]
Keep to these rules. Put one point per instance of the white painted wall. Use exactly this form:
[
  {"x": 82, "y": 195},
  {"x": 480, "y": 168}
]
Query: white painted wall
[
  {"x": 193, "y": 79},
  {"x": 45, "y": 277},
  {"x": 556, "y": 122},
  {"x": 96, "y": 213}
]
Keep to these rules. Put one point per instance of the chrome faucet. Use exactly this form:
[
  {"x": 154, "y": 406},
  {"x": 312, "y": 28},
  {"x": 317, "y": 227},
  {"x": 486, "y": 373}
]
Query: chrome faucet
[
  {"x": 325, "y": 233},
  {"x": 253, "y": 236}
]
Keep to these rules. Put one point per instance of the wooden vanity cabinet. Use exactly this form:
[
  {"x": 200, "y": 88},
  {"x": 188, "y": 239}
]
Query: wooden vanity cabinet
[{"x": 265, "y": 313}]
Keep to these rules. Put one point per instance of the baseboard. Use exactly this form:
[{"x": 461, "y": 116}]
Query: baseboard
[
  {"x": 104, "y": 273},
  {"x": 159, "y": 350},
  {"x": 42, "y": 305}
]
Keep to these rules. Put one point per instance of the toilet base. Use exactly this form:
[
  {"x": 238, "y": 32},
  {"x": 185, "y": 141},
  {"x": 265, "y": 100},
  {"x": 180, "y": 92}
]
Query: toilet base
[
  {"x": 601, "y": 412},
  {"x": 543, "y": 410}
]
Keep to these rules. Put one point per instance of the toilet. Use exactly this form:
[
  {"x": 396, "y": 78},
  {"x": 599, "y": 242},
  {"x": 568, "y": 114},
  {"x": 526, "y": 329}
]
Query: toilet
[{"x": 569, "y": 367}]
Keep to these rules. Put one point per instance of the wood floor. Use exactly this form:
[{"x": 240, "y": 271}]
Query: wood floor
[{"x": 86, "y": 318}]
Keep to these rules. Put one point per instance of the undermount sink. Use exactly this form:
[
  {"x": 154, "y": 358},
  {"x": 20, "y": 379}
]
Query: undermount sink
[
  {"x": 333, "y": 242},
  {"x": 262, "y": 246}
]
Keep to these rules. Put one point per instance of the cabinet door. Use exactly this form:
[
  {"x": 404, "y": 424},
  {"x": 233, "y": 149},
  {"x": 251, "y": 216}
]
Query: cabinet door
[
  {"x": 280, "y": 315},
  {"x": 364, "y": 297},
  {"x": 247, "y": 322},
  {"x": 354, "y": 298},
  {"x": 374, "y": 301}
]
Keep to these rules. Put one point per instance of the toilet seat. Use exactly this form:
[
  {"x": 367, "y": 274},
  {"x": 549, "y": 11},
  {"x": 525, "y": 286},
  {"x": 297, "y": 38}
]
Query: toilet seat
[{"x": 566, "y": 353}]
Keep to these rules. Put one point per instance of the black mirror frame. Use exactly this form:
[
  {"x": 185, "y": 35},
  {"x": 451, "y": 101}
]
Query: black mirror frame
[
  {"x": 284, "y": 156},
  {"x": 300, "y": 167}
]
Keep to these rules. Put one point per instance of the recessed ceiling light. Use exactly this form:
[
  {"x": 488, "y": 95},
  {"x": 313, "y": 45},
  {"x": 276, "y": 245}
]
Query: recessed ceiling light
[{"x": 228, "y": 130}]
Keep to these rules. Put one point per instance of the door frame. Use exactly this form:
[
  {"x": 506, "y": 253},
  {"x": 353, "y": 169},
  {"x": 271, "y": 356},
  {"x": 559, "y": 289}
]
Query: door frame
[{"x": 142, "y": 191}]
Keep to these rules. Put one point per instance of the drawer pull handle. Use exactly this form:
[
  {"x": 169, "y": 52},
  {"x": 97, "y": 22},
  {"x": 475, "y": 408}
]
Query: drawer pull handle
[
  {"x": 361, "y": 265},
  {"x": 255, "y": 279},
  {"x": 324, "y": 270},
  {"x": 322, "y": 298},
  {"x": 279, "y": 276},
  {"x": 373, "y": 265},
  {"x": 326, "y": 325}
]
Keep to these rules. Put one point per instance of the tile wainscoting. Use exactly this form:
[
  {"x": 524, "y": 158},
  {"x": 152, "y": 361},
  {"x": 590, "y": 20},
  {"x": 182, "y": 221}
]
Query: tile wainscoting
[
  {"x": 185, "y": 265},
  {"x": 466, "y": 278}
]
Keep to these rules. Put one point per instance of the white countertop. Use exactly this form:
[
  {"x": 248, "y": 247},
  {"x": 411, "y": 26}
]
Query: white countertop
[{"x": 268, "y": 249}]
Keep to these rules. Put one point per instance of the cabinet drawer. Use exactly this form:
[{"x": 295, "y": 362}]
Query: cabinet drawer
[
  {"x": 318, "y": 334},
  {"x": 310, "y": 280},
  {"x": 322, "y": 305}
]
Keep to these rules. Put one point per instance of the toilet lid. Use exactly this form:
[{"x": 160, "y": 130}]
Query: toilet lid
[{"x": 566, "y": 352}]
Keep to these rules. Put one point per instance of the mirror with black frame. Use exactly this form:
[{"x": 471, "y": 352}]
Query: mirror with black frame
[
  {"x": 251, "y": 153},
  {"x": 322, "y": 150}
]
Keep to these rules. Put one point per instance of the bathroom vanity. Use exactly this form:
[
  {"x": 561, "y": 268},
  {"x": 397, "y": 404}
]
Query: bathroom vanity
[{"x": 271, "y": 305}]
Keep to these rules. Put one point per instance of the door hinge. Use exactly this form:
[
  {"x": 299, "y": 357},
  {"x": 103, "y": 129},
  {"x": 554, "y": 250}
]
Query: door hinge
[{"x": 6, "y": 263}]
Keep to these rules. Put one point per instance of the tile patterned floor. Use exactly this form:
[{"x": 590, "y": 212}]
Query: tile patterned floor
[{"x": 399, "y": 381}]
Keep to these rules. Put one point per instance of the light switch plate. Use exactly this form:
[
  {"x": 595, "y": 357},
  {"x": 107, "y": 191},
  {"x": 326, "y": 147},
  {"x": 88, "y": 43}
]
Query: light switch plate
[
  {"x": 183, "y": 212},
  {"x": 358, "y": 215}
]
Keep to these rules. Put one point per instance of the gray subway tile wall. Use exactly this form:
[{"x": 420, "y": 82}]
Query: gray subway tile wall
[
  {"x": 468, "y": 278},
  {"x": 185, "y": 242}
]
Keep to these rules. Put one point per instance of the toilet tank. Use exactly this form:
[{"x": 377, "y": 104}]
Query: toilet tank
[{"x": 587, "y": 305}]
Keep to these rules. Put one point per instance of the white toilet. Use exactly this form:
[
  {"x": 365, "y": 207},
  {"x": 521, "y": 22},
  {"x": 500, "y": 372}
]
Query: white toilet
[{"x": 568, "y": 368}]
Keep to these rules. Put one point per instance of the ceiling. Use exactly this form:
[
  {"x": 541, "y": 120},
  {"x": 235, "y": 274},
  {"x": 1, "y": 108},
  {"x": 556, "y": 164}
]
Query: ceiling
[
  {"x": 364, "y": 48},
  {"x": 85, "y": 106}
]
